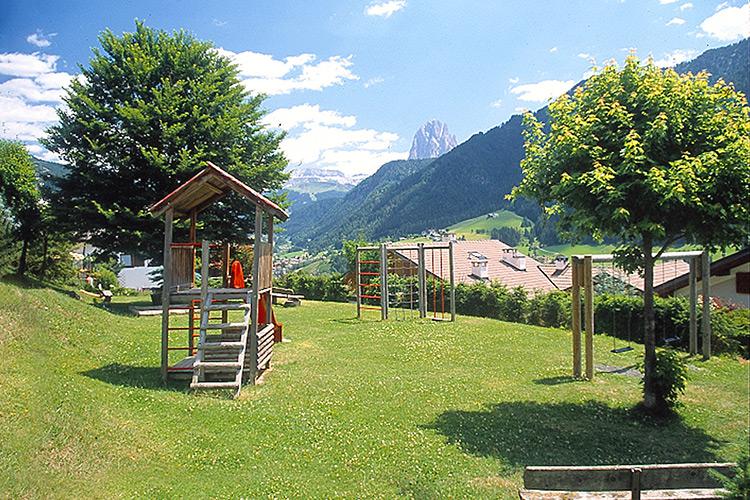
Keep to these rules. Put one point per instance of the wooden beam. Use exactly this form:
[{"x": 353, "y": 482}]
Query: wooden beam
[
  {"x": 452, "y": 282},
  {"x": 383, "y": 281},
  {"x": 166, "y": 285},
  {"x": 706, "y": 291},
  {"x": 422, "y": 281},
  {"x": 575, "y": 320},
  {"x": 589, "y": 303},
  {"x": 255, "y": 296},
  {"x": 269, "y": 299},
  {"x": 357, "y": 283},
  {"x": 693, "y": 279}
]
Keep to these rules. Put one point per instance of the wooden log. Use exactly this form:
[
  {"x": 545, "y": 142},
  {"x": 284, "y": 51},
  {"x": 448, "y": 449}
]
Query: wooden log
[
  {"x": 693, "y": 278},
  {"x": 576, "y": 314},
  {"x": 706, "y": 317},
  {"x": 166, "y": 285},
  {"x": 589, "y": 303},
  {"x": 254, "y": 297},
  {"x": 452, "y": 281},
  {"x": 357, "y": 283},
  {"x": 620, "y": 477}
]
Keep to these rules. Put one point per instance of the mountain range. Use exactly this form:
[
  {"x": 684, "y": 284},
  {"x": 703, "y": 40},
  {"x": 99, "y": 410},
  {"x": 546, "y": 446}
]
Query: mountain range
[{"x": 405, "y": 197}]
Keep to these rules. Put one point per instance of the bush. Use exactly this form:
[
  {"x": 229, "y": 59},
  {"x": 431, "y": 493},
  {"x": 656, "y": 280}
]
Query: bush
[
  {"x": 550, "y": 309},
  {"x": 730, "y": 331},
  {"x": 330, "y": 287},
  {"x": 670, "y": 378}
]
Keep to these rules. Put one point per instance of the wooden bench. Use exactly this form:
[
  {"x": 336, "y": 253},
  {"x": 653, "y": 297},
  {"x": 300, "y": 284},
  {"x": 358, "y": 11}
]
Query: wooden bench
[{"x": 660, "y": 481}]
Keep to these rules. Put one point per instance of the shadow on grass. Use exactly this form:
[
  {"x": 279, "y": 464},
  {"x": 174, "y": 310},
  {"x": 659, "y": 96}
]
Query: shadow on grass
[
  {"x": 142, "y": 377},
  {"x": 530, "y": 433}
]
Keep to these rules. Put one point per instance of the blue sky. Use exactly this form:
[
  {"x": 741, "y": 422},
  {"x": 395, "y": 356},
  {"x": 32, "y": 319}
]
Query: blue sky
[{"x": 351, "y": 81}]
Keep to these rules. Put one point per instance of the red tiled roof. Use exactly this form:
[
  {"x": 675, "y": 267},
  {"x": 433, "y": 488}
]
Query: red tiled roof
[
  {"x": 664, "y": 271},
  {"x": 531, "y": 279}
]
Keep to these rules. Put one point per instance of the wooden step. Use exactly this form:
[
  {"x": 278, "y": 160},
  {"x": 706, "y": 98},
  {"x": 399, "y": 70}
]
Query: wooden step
[
  {"x": 221, "y": 345},
  {"x": 217, "y": 364},
  {"x": 226, "y": 326},
  {"x": 215, "y": 385},
  {"x": 228, "y": 307}
]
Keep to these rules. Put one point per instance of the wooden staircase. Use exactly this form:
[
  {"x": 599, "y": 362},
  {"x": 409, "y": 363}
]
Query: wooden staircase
[{"x": 220, "y": 357}]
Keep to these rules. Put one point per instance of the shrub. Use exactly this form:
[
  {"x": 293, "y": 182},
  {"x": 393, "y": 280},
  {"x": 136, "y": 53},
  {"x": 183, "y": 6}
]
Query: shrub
[
  {"x": 329, "y": 287},
  {"x": 670, "y": 378},
  {"x": 550, "y": 309},
  {"x": 730, "y": 331}
]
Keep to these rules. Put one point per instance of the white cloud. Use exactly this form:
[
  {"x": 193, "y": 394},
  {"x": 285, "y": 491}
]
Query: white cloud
[
  {"x": 584, "y": 55},
  {"x": 667, "y": 2},
  {"x": 496, "y": 103},
  {"x": 675, "y": 57},
  {"x": 385, "y": 9},
  {"x": 44, "y": 88},
  {"x": 16, "y": 64},
  {"x": 327, "y": 139},
  {"x": 553, "y": 50},
  {"x": 514, "y": 80},
  {"x": 218, "y": 22},
  {"x": 15, "y": 109},
  {"x": 373, "y": 81},
  {"x": 721, "y": 6},
  {"x": 728, "y": 24},
  {"x": 264, "y": 74},
  {"x": 686, "y": 6},
  {"x": 676, "y": 21},
  {"x": 520, "y": 110},
  {"x": 542, "y": 91},
  {"x": 40, "y": 39}
]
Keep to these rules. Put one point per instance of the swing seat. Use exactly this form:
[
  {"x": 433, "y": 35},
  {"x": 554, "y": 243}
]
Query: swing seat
[{"x": 621, "y": 349}]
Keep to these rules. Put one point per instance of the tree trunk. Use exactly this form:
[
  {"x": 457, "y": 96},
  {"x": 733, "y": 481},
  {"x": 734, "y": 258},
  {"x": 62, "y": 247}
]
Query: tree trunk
[
  {"x": 22, "y": 258},
  {"x": 650, "y": 398}
]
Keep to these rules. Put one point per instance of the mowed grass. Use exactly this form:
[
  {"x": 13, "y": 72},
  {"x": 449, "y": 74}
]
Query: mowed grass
[
  {"x": 350, "y": 409},
  {"x": 469, "y": 227}
]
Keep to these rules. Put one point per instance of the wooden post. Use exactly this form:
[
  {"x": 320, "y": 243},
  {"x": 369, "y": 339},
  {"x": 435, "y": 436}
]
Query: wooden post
[
  {"x": 357, "y": 283},
  {"x": 166, "y": 286},
  {"x": 226, "y": 282},
  {"x": 422, "y": 281},
  {"x": 589, "y": 303},
  {"x": 269, "y": 228},
  {"x": 575, "y": 319},
  {"x": 635, "y": 483},
  {"x": 453, "y": 282},
  {"x": 383, "y": 281},
  {"x": 693, "y": 278},
  {"x": 706, "y": 291},
  {"x": 254, "y": 297},
  {"x": 193, "y": 239},
  {"x": 205, "y": 270}
]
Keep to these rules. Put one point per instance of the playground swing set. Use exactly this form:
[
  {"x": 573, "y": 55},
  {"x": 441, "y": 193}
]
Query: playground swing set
[
  {"x": 406, "y": 281},
  {"x": 236, "y": 330},
  {"x": 582, "y": 275}
]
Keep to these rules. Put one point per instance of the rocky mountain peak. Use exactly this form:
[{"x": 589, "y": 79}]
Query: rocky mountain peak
[{"x": 432, "y": 140}]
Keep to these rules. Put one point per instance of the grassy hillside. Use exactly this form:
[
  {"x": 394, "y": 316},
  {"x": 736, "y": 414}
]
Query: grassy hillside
[
  {"x": 479, "y": 228},
  {"x": 350, "y": 409}
]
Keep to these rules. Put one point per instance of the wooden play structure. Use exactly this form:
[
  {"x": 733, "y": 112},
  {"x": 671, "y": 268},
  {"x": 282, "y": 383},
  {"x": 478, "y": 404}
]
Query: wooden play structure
[
  {"x": 582, "y": 276},
  {"x": 406, "y": 281},
  {"x": 236, "y": 330}
]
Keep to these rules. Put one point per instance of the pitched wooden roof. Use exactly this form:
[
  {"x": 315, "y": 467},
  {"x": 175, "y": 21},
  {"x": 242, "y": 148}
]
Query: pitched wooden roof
[{"x": 208, "y": 186}]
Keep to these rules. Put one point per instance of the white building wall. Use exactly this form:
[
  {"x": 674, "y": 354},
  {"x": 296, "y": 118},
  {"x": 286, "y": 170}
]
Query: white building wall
[{"x": 725, "y": 288}]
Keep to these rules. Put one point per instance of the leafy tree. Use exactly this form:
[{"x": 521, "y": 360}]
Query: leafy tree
[
  {"x": 20, "y": 195},
  {"x": 646, "y": 156},
  {"x": 7, "y": 242},
  {"x": 144, "y": 116}
]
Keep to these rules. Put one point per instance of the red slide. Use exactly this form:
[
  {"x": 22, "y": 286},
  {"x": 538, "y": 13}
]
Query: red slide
[{"x": 238, "y": 281}]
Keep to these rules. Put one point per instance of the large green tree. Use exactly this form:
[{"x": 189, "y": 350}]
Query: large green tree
[
  {"x": 19, "y": 197},
  {"x": 144, "y": 116},
  {"x": 649, "y": 157}
]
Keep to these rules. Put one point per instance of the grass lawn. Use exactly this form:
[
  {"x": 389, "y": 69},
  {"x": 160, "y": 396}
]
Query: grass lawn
[
  {"x": 468, "y": 228},
  {"x": 350, "y": 409}
]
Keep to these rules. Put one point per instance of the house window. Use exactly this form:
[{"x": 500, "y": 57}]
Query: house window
[{"x": 743, "y": 283}]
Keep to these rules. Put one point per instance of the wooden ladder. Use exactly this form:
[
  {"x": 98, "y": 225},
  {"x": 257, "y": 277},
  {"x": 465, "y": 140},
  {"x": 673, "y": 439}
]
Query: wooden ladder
[{"x": 221, "y": 356}]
